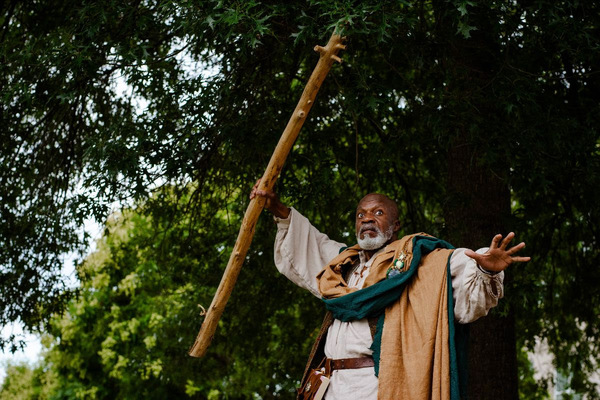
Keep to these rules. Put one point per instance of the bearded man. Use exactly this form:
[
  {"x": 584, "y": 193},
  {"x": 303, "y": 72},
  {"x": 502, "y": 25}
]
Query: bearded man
[{"x": 389, "y": 332}]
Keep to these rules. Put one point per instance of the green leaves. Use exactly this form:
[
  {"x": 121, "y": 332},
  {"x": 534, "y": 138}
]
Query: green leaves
[
  {"x": 126, "y": 332},
  {"x": 465, "y": 29}
]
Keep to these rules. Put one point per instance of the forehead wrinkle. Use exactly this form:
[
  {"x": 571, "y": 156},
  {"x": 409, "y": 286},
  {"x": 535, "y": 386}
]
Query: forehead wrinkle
[{"x": 383, "y": 200}]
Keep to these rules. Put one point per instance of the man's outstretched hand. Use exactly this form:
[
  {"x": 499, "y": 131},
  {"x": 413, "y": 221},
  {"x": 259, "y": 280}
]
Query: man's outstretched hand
[
  {"x": 498, "y": 258},
  {"x": 272, "y": 203}
]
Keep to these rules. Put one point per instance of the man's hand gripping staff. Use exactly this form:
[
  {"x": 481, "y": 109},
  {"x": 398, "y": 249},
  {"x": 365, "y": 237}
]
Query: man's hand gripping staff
[{"x": 272, "y": 202}]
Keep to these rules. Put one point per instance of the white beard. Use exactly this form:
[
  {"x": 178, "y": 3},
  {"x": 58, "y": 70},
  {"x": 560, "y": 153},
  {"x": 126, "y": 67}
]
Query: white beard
[{"x": 377, "y": 242}]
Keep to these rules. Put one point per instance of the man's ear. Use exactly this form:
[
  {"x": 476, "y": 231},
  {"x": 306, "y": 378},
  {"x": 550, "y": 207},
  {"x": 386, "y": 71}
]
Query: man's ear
[{"x": 397, "y": 226}]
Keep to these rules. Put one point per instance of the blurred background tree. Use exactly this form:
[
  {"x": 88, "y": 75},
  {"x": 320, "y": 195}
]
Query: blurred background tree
[{"x": 477, "y": 117}]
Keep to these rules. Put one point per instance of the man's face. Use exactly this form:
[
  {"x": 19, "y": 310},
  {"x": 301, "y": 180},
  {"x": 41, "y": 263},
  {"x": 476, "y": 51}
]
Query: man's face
[{"x": 376, "y": 221}]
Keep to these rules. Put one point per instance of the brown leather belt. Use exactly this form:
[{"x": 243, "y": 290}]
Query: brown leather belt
[{"x": 350, "y": 363}]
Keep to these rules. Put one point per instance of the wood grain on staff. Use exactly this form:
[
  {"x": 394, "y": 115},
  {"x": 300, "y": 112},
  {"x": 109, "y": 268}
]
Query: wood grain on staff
[{"x": 328, "y": 55}]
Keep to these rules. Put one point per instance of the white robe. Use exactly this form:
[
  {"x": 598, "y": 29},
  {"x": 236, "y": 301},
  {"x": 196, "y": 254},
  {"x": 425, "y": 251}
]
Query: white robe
[{"x": 301, "y": 252}]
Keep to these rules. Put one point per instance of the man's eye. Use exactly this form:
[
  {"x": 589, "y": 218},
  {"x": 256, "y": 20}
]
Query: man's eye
[
  {"x": 360, "y": 215},
  {"x": 378, "y": 212}
]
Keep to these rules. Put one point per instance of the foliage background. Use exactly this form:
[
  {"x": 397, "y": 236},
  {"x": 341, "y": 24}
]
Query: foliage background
[{"x": 210, "y": 86}]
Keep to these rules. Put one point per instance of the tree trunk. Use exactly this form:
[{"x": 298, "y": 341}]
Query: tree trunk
[
  {"x": 478, "y": 208},
  {"x": 478, "y": 199}
]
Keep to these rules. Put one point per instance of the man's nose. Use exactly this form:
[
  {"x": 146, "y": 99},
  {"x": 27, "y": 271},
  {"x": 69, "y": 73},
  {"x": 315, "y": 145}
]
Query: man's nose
[{"x": 368, "y": 219}]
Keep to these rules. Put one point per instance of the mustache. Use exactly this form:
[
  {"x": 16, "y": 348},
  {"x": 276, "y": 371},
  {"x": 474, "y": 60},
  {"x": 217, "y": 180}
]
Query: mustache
[{"x": 369, "y": 226}]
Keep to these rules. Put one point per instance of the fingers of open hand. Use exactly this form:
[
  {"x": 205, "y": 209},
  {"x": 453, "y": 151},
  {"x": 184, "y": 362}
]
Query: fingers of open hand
[
  {"x": 507, "y": 240},
  {"x": 472, "y": 254},
  {"x": 475, "y": 256},
  {"x": 495, "y": 242},
  {"x": 515, "y": 249}
]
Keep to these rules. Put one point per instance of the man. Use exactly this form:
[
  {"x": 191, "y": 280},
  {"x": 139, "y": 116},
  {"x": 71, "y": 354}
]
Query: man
[{"x": 412, "y": 356}]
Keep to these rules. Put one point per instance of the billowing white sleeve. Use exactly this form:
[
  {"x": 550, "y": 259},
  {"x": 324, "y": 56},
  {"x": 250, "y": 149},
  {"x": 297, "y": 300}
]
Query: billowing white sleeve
[
  {"x": 475, "y": 292},
  {"x": 301, "y": 251}
]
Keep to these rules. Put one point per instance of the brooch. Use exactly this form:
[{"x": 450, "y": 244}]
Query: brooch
[{"x": 397, "y": 266}]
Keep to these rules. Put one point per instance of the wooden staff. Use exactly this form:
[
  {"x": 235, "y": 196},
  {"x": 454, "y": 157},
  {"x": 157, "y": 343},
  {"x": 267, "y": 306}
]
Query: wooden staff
[{"x": 328, "y": 55}]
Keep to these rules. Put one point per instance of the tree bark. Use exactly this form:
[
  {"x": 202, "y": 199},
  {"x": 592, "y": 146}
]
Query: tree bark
[
  {"x": 478, "y": 202},
  {"x": 477, "y": 209}
]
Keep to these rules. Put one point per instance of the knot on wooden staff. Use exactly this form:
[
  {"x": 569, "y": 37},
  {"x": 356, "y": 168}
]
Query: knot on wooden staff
[
  {"x": 203, "y": 312},
  {"x": 331, "y": 49}
]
